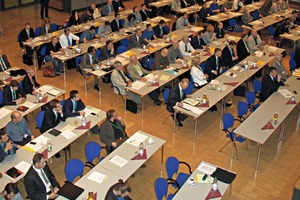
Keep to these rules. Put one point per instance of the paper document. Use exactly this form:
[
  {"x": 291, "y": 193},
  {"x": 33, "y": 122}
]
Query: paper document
[
  {"x": 87, "y": 113},
  {"x": 164, "y": 78},
  {"x": 119, "y": 161},
  {"x": 150, "y": 77},
  {"x": 235, "y": 68},
  {"x": 97, "y": 177},
  {"x": 286, "y": 93},
  {"x": 259, "y": 53},
  {"x": 95, "y": 110},
  {"x": 40, "y": 141},
  {"x": 190, "y": 101},
  {"x": 68, "y": 134},
  {"x": 54, "y": 92},
  {"x": 215, "y": 82},
  {"x": 229, "y": 74},
  {"x": 68, "y": 128},
  {"x": 192, "y": 108},
  {"x": 206, "y": 169},
  {"x": 99, "y": 73},
  {"x": 45, "y": 88},
  {"x": 199, "y": 178},
  {"x": 138, "y": 85},
  {"x": 136, "y": 139},
  {"x": 4, "y": 112},
  {"x": 271, "y": 48},
  {"x": 257, "y": 22},
  {"x": 23, "y": 166}
]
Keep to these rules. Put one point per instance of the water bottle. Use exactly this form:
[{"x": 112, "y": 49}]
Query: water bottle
[
  {"x": 141, "y": 149},
  {"x": 168, "y": 38},
  {"x": 83, "y": 121},
  {"x": 184, "y": 64},
  {"x": 275, "y": 118},
  {"x": 49, "y": 145},
  {"x": 108, "y": 62},
  {"x": 220, "y": 86},
  {"x": 293, "y": 98},
  {"x": 3, "y": 76},
  {"x": 153, "y": 81},
  {"x": 215, "y": 184},
  {"x": 40, "y": 95}
]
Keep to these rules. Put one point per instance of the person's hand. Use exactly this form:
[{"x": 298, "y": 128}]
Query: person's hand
[
  {"x": 188, "y": 95},
  {"x": 278, "y": 77},
  {"x": 214, "y": 72},
  {"x": 55, "y": 190},
  {"x": 32, "y": 137},
  {"x": 164, "y": 36},
  {"x": 8, "y": 146},
  {"x": 143, "y": 79},
  {"x": 82, "y": 113},
  {"x": 235, "y": 58},
  {"x": 19, "y": 101},
  {"x": 194, "y": 53},
  {"x": 206, "y": 75},
  {"x": 114, "y": 144},
  {"x": 53, "y": 195},
  {"x": 129, "y": 84},
  {"x": 180, "y": 104},
  {"x": 119, "y": 118}
]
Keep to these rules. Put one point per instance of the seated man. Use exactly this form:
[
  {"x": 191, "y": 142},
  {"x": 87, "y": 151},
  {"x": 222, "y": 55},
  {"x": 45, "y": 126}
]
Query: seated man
[
  {"x": 7, "y": 147},
  {"x": 4, "y": 64},
  {"x": 254, "y": 42},
  {"x": 175, "y": 98},
  {"x": 87, "y": 16},
  {"x": 13, "y": 94},
  {"x": 204, "y": 12},
  {"x": 88, "y": 35},
  {"x": 40, "y": 182},
  {"x": 118, "y": 5},
  {"x": 116, "y": 24},
  {"x": 229, "y": 55},
  {"x": 96, "y": 13},
  {"x": 214, "y": 65},
  {"x": 46, "y": 27},
  {"x": 119, "y": 190},
  {"x": 295, "y": 14},
  {"x": 104, "y": 29},
  {"x": 73, "y": 106},
  {"x": 280, "y": 68},
  {"x": 246, "y": 17},
  {"x": 161, "y": 30},
  {"x": 136, "y": 72},
  {"x": 269, "y": 85},
  {"x": 53, "y": 115},
  {"x": 89, "y": 60},
  {"x": 186, "y": 48},
  {"x": 174, "y": 54},
  {"x": 144, "y": 12},
  {"x": 242, "y": 47},
  {"x": 183, "y": 22},
  {"x": 137, "y": 40},
  {"x": 214, "y": 8},
  {"x": 198, "y": 42},
  {"x": 220, "y": 33},
  {"x": 107, "y": 9},
  {"x": 108, "y": 51},
  {"x": 161, "y": 60},
  {"x": 112, "y": 131},
  {"x": 27, "y": 35},
  {"x": 149, "y": 34},
  {"x": 29, "y": 83},
  {"x": 18, "y": 131},
  {"x": 53, "y": 48},
  {"x": 66, "y": 39}
]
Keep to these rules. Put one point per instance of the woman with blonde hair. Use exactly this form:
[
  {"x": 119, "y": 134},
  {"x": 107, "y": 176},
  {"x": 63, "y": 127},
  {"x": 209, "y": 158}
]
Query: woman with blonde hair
[{"x": 209, "y": 35}]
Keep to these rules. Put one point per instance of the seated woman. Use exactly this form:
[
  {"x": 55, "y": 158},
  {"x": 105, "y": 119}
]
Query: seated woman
[
  {"x": 137, "y": 14},
  {"x": 74, "y": 19},
  {"x": 209, "y": 35},
  {"x": 118, "y": 191},
  {"x": 199, "y": 78},
  {"x": 130, "y": 21}
]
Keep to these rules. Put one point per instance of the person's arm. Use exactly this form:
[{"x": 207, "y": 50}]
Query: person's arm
[
  {"x": 85, "y": 62},
  {"x": 7, "y": 97},
  {"x": 31, "y": 186},
  {"x": 105, "y": 134},
  {"x": 80, "y": 105},
  {"x": 117, "y": 80},
  {"x": 63, "y": 41},
  {"x": 26, "y": 127},
  {"x": 197, "y": 74},
  {"x": 74, "y": 37},
  {"x": 68, "y": 110},
  {"x": 51, "y": 177},
  {"x": 27, "y": 86}
]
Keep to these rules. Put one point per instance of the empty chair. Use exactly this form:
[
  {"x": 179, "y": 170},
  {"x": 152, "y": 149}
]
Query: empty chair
[
  {"x": 98, "y": 52},
  {"x": 250, "y": 98},
  {"x": 190, "y": 88},
  {"x": 172, "y": 166},
  {"x": 292, "y": 55},
  {"x": 257, "y": 87},
  {"x": 37, "y": 31},
  {"x": 242, "y": 108},
  {"x": 125, "y": 42},
  {"x": 228, "y": 121},
  {"x": 73, "y": 169},
  {"x": 255, "y": 15},
  {"x": 161, "y": 189},
  {"x": 235, "y": 27},
  {"x": 39, "y": 119},
  {"x": 54, "y": 27},
  {"x": 121, "y": 49},
  {"x": 92, "y": 152}
]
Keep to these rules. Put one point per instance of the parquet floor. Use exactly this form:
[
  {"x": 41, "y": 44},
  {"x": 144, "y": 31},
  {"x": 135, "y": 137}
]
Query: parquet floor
[{"x": 277, "y": 173}]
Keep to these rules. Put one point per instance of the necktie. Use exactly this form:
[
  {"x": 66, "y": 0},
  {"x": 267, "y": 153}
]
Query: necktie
[
  {"x": 255, "y": 39},
  {"x": 184, "y": 23},
  {"x": 145, "y": 13},
  {"x": 14, "y": 95},
  {"x": 2, "y": 63},
  {"x": 232, "y": 52},
  {"x": 44, "y": 177},
  {"x": 137, "y": 39},
  {"x": 109, "y": 9},
  {"x": 181, "y": 94},
  {"x": 55, "y": 116},
  {"x": 118, "y": 24},
  {"x": 161, "y": 31},
  {"x": 186, "y": 48},
  {"x": 74, "y": 106},
  {"x": 217, "y": 62},
  {"x": 69, "y": 42},
  {"x": 28, "y": 34},
  {"x": 46, "y": 30}
]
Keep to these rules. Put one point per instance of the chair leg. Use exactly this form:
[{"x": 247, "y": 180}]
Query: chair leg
[
  {"x": 237, "y": 155},
  {"x": 224, "y": 146},
  {"x": 166, "y": 119}
]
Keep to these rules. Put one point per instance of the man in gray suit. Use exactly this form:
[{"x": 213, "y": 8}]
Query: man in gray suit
[
  {"x": 107, "y": 9},
  {"x": 137, "y": 72},
  {"x": 137, "y": 40},
  {"x": 254, "y": 41},
  {"x": 4, "y": 64},
  {"x": 89, "y": 60},
  {"x": 182, "y": 22},
  {"x": 112, "y": 131},
  {"x": 174, "y": 55},
  {"x": 279, "y": 67}
]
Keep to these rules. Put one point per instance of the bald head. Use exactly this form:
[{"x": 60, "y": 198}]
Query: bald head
[
  {"x": 175, "y": 44},
  {"x": 93, "y": 6},
  {"x": 185, "y": 39},
  {"x": 16, "y": 116},
  {"x": 184, "y": 83},
  {"x": 164, "y": 52},
  {"x": 133, "y": 59},
  {"x": 30, "y": 72}
]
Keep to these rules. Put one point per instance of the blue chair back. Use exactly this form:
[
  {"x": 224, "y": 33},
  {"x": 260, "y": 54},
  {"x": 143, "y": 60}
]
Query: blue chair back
[
  {"x": 255, "y": 15},
  {"x": 73, "y": 169},
  {"x": 67, "y": 24},
  {"x": 78, "y": 60},
  {"x": 37, "y": 31},
  {"x": 98, "y": 52},
  {"x": 250, "y": 98},
  {"x": 62, "y": 103},
  {"x": 242, "y": 108},
  {"x": 271, "y": 30},
  {"x": 228, "y": 121},
  {"x": 190, "y": 88},
  {"x": 39, "y": 119},
  {"x": 43, "y": 51},
  {"x": 292, "y": 55},
  {"x": 18, "y": 37},
  {"x": 167, "y": 29},
  {"x": 293, "y": 64},
  {"x": 122, "y": 21},
  {"x": 21, "y": 85},
  {"x": 150, "y": 63},
  {"x": 92, "y": 151},
  {"x": 125, "y": 42},
  {"x": 1, "y": 97},
  {"x": 172, "y": 165},
  {"x": 160, "y": 188},
  {"x": 166, "y": 95},
  {"x": 53, "y": 26},
  {"x": 256, "y": 86},
  {"x": 121, "y": 49},
  {"x": 203, "y": 66},
  {"x": 232, "y": 22}
]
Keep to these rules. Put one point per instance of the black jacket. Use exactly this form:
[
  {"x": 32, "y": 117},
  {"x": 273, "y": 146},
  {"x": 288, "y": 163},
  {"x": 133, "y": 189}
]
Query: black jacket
[
  {"x": 24, "y": 36},
  {"x": 28, "y": 86},
  {"x": 68, "y": 108},
  {"x": 195, "y": 43},
  {"x": 219, "y": 33},
  {"x": 157, "y": 31},
  {"x": 242, "y": 50},
  {"x": 174, "y": 97},
  {"x": 143, "y": 15},
  {"x": 268, "y": 87},
  {"x": 116, "y": 5},
  {"x": 5, "y": 60},
  {"x": 106, "y": 53},
  {"x": 7, "y": 95},
  {"x": 49, "y": 120},
  {"x": 114, "y": 25},
  {"x": 211, "y": 65},
  {"x": 227, "y": 57}
]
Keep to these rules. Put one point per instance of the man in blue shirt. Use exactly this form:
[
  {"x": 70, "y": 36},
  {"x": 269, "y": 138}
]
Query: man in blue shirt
[
  {"x": 6, "y": 146},
  {"x": 214, "y": 8},
  {"x": 149, "y": 34},
  {"x": 88, "y": 35},
  {"x": 18, "y": 131}
]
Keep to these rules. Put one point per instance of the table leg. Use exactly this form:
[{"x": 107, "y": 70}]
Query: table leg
[
  {"x": 298, "y": 122},
  {"x": 174, "y": 120},
  {"x": 223, "y": 108},
  {"x": 34, "y": 59},
  {"x": 85, "y": 82},
  {"x": 230, "y": 191},
  {"x": 162, "y": 160},
  {"x": 100, "y": 87},
  {"x": 143, "y": 104},
  {"x": 64, "y": 64},
  {"x": 258, "y": 155},
  {"x": 195, "y": 130},
  {"x": 281, "y": 131}
]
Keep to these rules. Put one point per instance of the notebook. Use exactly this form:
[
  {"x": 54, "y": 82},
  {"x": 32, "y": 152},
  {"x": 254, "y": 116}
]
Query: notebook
[
  {"x": 55, "y": 132},
  {"x": 70, "y": 191}
]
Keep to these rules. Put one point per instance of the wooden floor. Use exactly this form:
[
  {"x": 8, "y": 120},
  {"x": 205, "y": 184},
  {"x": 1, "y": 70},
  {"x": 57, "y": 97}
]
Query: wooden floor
[{"x": 278, "y": 170}]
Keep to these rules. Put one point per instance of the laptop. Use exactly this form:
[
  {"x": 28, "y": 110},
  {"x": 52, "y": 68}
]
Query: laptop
[{"x": 70, "y": 191}]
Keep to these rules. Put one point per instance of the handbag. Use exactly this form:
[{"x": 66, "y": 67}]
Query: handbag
[
  {"x": 131, "y": 106},
  {"x": 27, "y": 59},
  {"x": 49, "y": 72}
]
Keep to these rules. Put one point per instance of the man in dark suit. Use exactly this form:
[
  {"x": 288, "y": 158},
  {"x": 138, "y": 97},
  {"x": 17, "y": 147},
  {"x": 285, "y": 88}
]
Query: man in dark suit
[
  {"x": 229, "y": 56},
  {"x": 13, "y": 94},
  {"x": 112, "y": 130},
  {"x": 242, "y": 47},
  {"x": 6, "y": 146},
  {"x": 107, "y": 9},
  {"x": 116, "y": 24},
  {"x": 52, "y": 116},
  {"x": 118, "y": 5},
  {"x": 269, "y": 85},
  {"x": 73, "y": 106},
  {"x": 29, "y": 83},
  {"x": 220, "y": 33},
  {"x": 27, "y": 35},
  {"x": 136, "y": 40},
  {"x": 40, "y": 182},
  {"x": 144, "y": 12},
  {"x": 214, "y": 65},
  {"x": 44, "y": 6},
  {"x": 4, "y": 64},
  {"x": 198, "y": 42},
  {"x": 108, "y": 51},
  {"x": 175, "y": 98},
  {"x": 160, "y": 31}
]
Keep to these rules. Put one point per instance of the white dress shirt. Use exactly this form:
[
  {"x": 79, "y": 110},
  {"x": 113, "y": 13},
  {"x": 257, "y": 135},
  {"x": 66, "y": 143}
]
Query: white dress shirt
[
  {"x": 96, "y": 13},
  {"x": 63, "y": 39},
  {"x": 198, "y": 76},
  {"x": 183, "y": 50},
  {"x": 38, "y": 171}
]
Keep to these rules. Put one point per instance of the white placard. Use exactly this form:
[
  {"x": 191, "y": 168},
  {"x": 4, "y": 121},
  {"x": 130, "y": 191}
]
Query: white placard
[
  {"x": 45, "y": 88},
  {"x": 206, "y": 169},
  {"x": 119, "y": 161},
  {"x": 97, "y": 177},
  {"x": 136, "y": 139},
  {"x": 23, "y": 166},
  {"x": 286, "y": 93},
  {"x": 138, "y": 84},
  {"x": 54, "y": 92},
  {"x": 68, "y": 134}
]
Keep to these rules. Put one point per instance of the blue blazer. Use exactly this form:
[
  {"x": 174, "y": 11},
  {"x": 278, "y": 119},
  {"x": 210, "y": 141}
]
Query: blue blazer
[{"x": 68, "y": 108}]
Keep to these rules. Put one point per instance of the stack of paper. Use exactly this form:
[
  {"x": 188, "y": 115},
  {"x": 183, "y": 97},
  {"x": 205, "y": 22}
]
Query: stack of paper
[
  {"x": 97, "y": 177},
  {"x": 119, "y": 161},
  {"x": 68, "y": 134},
  {"x": 137, "y": 85},
  {"x": 136, "y": 139},
  {"x": 192, "y": 108},
  {"x": 23, "y": 166},
  {"x": 68, "y": 128},
  {"x": 28, "y": 104},
  {"x": 206, "y": 169},
  {"x": 54, "y": 92},
  {"x": 259, "y": 53},
  {"x": 45, "y": 88},
  {"x": 286, "y": 93},
  {"x": 87, "y": 113}
]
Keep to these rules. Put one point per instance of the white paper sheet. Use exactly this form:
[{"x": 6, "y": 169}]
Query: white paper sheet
[
  {"x": 23, "y": 166},
  {"x": 138, "y": 84},
  {"x": 68, "y": 128},
  {"x": 28, "y": 104},
  {"x": 206, "y": 169},
  {"x": 4, "y": 112},
  {"x": 271, "y": 48},
  {"x": 45, "y": 88},
  {"x": 233, "y": 75},
  {"x": 87, "y": 113},
  {"x": 99, "y": 73},
  {"x": 235, "y": 68},
  {"x": 192, "y": 108},
  {"x": 97, "y": 177},
  {"x": 257, "y": 22},
  {"x": 40, "y": 141},
  {"x": 286, "y": 93},
  {"x": 259, "y": 53},
  {"x": 136, "y": 139},
  {"x": 164, "y": 78},
  {"x": 68, "y": 134},
  {"x": 119, "y": 161},
  {"x": 54, "y": 92}
]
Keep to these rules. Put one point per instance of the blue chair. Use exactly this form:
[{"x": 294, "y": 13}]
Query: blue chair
[
  {"x": 190, "y": 88},
  {"x": 98, "y": 52},
  {"x": 161, "y": 189},
  {"x": 77, "y": 62},
  {"x": 125, "y": 42},
  {"x": 121, "y": 49},
  {"x": 67, "y": 24},
  {"x": 122, "y": 21},
  {"x": 292, "y": 55},
  {"x": 250, "y": 99},
  {"x": 228, "y": 121},
  {"x": 271, "y": 31},
  {"x": 1, "y": 97},
  {"x": 21, "y": 85},
  {"x": 73, "y": 169},
  {"x": 242, "y": 108},
  {"x": 92, "y": 152},
  {"x": 117, "y": 92},
  {"x": 257, "y": 87},
  {"x": 150, "y": 63},
  {"x": 292, "y": 64},
  {"x": 255, "y": 15},
  {"x": 53, "y": 26},
  {"x": 62, "y": 103},
  {"x": 203, "y": 66},
  {"x": 166, "y": 93},
  {"x": 43, "y": 54},
  {"x": 37, "y": 31},
  {"x": 39, "y": 119},
  {"x": 172, "y": 166},
  {"x": 233, "y": 24}
]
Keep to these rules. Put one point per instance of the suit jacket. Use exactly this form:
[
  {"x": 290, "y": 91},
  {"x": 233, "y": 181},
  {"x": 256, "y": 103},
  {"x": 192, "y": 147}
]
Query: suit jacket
[
  {"x": 174, "y": 97},
  {"x": 144, "y": 15},
  {"x": 157, "y": 31},
  {"x": 4, "y": 154},
  {"x": 268, "y": 87},
  {"x": 106, "y": 53},
  {"x": 86, "y": 62},
  {"x": 43, "y": 30},
  {"x": 50, "y": 121},
  {"x": 227, "y": 57},
  {"x": 116, "y": 5},
  {"x": 133, "y": 73},
  {"x": 24, "y": 36},
  {"x": 251, "y": 43},
  {"x": 174, "y": 54},
  {"x": 7, "y": 95},
  {"x": 212, "y": 65},
  {"x": 219, "y": 34},
  {"x": 195, "y": 43},
  {"x": 114, "y": 25},
  {"x": 134, "y": 43},
  {"x": 105, "y": 10},
  {"x": 5, "y": 60},
  {"x": 34, "y": 185},
  {"x": 110, "y": 195},
  {"x": 68, "y": 108},
  {"x": 28, "y": 86},
  {"x": 118, "y": 81},
  {"x": 160, "y": 62},
  {"x": 242, "y": 50}
]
